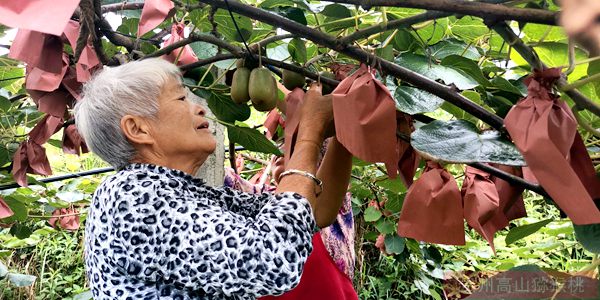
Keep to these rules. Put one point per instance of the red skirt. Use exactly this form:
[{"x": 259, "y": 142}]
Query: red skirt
[{"x": 321, "y": 279}]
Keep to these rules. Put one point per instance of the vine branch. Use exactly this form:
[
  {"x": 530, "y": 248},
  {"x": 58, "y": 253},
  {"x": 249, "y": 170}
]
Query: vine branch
[
  {"x": 445, "y": 92},
  {"x": 195, "y": 37},
  {"x": 479, "y": 9}
]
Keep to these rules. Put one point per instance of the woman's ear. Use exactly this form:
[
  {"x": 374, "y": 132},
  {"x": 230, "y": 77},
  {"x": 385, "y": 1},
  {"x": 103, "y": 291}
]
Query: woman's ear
[{"x": 136, "y": 130}]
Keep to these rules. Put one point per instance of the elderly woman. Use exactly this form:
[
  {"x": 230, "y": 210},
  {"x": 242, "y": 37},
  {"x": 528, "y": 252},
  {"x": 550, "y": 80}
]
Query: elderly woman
[{"x": 155, "y": 232}]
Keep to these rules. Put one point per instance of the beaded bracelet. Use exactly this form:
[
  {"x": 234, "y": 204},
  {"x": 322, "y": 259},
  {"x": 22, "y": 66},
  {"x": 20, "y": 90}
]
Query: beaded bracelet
[{"x": 305, "y": 174}]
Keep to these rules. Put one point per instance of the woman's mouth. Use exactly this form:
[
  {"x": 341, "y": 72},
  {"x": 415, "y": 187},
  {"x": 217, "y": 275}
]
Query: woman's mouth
[{"x": 203, "y": 125}]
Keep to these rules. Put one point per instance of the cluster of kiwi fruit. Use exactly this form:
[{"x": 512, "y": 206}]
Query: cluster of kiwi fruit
[{"x": 251, "y": 81}]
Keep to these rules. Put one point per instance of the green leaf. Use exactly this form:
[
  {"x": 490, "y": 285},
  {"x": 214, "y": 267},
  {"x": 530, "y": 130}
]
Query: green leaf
[
  {"x": 467, "y": 67},
  {"x": 394, "y": 202},
  {"x": 228, "y": 29},
  {"x": 21, "y": 280},
  {"x": 372, "y": 214},
  {"x": 435, "y": 32},
  {"x": 20, "y": 231},
  {"x": 588, "y": 236},
  {"x": 297, "y": 50},
  {"x": 18, "y": 208},
  {"x": 295, "y": 14},
  {"x": 394, "y": 244},
  {"x": 555, "y": 55},
  {"x": 336, "y": 11},
  {"x": 393, "y": 185},
  {"x": 524, "y": 231},
  {"x": 469, "y": 29},
  {"x": 204, "y": 50},
  {"x": 449, "y": 47},
  {"x": 129, "y": 26},
  {"x": 405, "y": 41},
  {"x": 386, "y": 52},
  {"x": 385, "y": 226},
  {"x": 224, "y": 108},
  {"x": 251, "y": 139},
  {"x": 3, "y": 270},
  {"x": 422, "y": 65},
  {"x": 507, "y": 86},
  {"x": 460, "y": 141},
  {"x": 415, "y": 101},
  {"x": 4, "y": 156},
  {"x": 535, "y": 32},
  {"x": 5, "y": 104}
]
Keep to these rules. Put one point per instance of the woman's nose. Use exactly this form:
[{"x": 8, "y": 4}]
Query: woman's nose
[{"x": 199, "y": 110}]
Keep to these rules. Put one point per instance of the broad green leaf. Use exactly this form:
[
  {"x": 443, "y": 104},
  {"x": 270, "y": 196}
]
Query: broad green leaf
[
  {"x": 372, "y": 214},
  {"x": 457, "y": 112},
  {"x": 4, "y": 156},
  {"x": 251, "y": 139},
  {"x": 469, "y": 29},
  {"x": 385, "y": 226},
  {"x": 535, "y": 32},
  {"x": 435, "y": 32},
  {"x": 336, "y": 11},
  {"x": 129, "y": 26},
  {"x": 386, "y": 52},
  {"x": 224, "y": 108},
  {"x": 394, "y": 201},
  {"x": 422, "y": 65},
  {"x": 295, "y": 14},
  {"x": 228, "y": 29},
  {"x": 405, "y": 41},
  {"x": 394, "y": 244},
  {"x": 524, "y": 231},
  {"x": 394, "y": 185},
  {"x": 18, "y": 208},
  {"x": 5, "y": 104},
  {"x": 555, "y": 55},
  {"x": 3, "y": 270},
  {"x": 269, "y": 4},
  {"x": 594, "y": 68},
  {"x": 467, "y": 67},
  {"x": 10, "y": 75},
  {"x": 449, "y": 47},
  {"x": 297, "y": 50},
  {"x": 21, "y": 280},
  {"x": 20, "y": 231},
  {"x": 460, "y": 141},
  {"x": 204, "y": 50},
  {"x": 588, "y": 236},
  {"x": 415, "y": 101},
  {"x": 507, "y": 86}
]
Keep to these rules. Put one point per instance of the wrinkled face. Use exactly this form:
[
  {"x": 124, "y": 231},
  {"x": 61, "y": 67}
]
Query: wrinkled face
[{"x": 181, "y": 129}]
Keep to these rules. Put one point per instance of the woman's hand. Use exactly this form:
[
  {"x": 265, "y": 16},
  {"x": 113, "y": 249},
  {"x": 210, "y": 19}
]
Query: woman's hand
[{"x": 316, "y": 113}]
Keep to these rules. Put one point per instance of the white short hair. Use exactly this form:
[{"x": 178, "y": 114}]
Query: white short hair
[{"x": 129, "y": 89}]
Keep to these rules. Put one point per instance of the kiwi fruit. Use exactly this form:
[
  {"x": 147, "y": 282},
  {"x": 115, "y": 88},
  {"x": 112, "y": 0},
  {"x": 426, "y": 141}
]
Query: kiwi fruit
[
  {"x": 292, "y": 80},
  {"x": 326, "y": 88},
  {"x": 262, "y": 89},
  {"x": 239, "y": 85}
]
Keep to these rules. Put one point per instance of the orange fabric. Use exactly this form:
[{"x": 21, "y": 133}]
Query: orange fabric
[
  {"x": 30, "y": 158},
  {"x": 43, "y": 16},
  {"x": 409, "y": 158},
  {"x": 88, "y": 60},
  {"x": 432, "y": 209},
  {"x": 321, "y": 278},
  {"x": 544, "y": 130},
  {"x": 5, "y": 211},
  {"x": 365, "y": 119},
  {"x": 153, "y": 13},
  {"x": 480, "y": 201},
  {"x": 187, "y": 55},
  {"x": 69, "y": 222},
  {"x": 72, "y": 142}
]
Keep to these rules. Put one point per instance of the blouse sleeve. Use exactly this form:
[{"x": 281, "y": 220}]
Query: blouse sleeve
[
  {"x": 243, "y": 203},
  {"x": 159, "y": 237}
]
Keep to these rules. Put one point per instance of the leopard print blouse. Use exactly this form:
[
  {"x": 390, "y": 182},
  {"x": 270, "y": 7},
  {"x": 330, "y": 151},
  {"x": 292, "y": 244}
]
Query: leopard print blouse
[{"x": 158, "y": 233}]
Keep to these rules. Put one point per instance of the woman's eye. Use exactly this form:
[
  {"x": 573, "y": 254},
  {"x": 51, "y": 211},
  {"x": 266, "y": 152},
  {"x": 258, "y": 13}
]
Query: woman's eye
[{"x": 182, "y": 98}]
